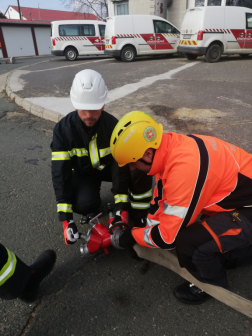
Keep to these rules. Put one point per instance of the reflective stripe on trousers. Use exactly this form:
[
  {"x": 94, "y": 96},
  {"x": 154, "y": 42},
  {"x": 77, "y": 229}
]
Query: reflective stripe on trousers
[{"x": 9, "y": 268}]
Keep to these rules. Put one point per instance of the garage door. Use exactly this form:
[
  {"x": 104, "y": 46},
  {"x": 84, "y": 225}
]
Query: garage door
[
  {"x": 43, "y": 39},
  {"x": 18, "y": 41}
]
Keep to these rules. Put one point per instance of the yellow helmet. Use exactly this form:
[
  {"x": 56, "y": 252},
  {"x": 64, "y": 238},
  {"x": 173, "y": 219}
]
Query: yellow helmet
[{"x": 133, "y": 134}]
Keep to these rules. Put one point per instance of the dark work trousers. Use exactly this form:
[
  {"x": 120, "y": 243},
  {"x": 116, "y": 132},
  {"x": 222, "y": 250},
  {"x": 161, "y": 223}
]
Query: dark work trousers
[
  {"x": 14, "y": 275},
  {"x": 206, "y": 248},
  {"x": 86, "y": 190}
]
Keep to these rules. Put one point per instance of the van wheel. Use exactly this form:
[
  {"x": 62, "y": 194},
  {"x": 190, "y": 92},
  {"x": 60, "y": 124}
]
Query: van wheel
[
  {"x": 128, "y": 54},
  {"x": 213, "y": 53},
  {"x": 118, "y": 58},
  {"x": 71, "y": 54},
  {"x": 191, "y": 57},
  {"x": 244, "y": 55}
]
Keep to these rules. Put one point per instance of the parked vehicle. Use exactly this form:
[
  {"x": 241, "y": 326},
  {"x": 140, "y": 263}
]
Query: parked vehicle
[
  {"x": 73, "y": 38},
  {"x": 128, "y": 36},
  {"x": 216, "y": 30}
]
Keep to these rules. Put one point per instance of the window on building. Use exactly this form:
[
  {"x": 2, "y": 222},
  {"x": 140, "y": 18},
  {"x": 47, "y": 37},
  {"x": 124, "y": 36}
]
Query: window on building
[
  {"x": 214, "y": 3},
  {"x": 102, "y": 30},
  {"x": 162, "y": 27},
  {"x": 199, "y": 3},
  {"x": 69, "y": 30},
  {"x": 249, "y": 20},
  {"x": 239, "y": 3},
  {"x": 87, "y": 30},
  {"x": 122, "y": 8}
]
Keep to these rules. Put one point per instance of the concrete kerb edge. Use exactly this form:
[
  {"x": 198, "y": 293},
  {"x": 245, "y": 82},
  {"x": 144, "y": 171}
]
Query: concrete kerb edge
[{"x": 30, "y": 107}]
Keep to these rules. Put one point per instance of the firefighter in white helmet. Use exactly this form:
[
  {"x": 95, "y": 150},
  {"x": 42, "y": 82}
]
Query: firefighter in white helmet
[{"x": 81, "y": 160}]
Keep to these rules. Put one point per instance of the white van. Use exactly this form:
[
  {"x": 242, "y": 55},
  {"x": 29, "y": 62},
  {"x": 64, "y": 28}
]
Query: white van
[
  {"x": 128, "y": 36},
  {"x": 216, "y": 30},
  {"x": 73, "y": 38}
]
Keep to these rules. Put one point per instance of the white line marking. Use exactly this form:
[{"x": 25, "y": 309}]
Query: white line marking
[
  {"x": 63, "y": 105},
  {"x": 236, "y": 101},
  {"x": 130, "y": 88},
  {"x": 73, "y": 65}
]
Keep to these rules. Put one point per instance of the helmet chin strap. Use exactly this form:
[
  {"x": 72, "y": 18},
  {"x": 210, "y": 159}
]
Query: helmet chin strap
[
  {"x": 148, "y": 163},
  {"x": 145, "y": 162}
]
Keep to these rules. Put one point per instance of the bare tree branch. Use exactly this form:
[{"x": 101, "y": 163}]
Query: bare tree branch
[{"x": 98, "y": 7}]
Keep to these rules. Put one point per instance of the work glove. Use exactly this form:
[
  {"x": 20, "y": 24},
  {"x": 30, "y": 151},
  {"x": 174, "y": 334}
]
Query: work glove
[
  {"x": 120, "y": 217},
  {"x": 71, "y": 233}
]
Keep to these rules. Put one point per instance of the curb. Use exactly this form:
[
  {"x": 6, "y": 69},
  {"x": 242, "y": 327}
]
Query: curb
[{"x": 30, "y": 107}]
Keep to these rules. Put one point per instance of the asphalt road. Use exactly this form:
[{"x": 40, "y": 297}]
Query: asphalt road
[{"x": 113, "y": 294}]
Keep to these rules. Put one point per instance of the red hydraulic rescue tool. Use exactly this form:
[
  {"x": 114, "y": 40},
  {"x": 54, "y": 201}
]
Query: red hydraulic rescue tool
[{"x": 99, "y": 236}]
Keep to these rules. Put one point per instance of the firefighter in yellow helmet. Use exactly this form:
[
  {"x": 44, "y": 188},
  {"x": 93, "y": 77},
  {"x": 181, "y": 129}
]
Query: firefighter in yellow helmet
[{"x": 194, "y": 174}]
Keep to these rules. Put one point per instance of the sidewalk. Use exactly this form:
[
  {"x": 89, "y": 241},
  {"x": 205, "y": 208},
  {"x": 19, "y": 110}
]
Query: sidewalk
[{"x": 5, "y": 80}]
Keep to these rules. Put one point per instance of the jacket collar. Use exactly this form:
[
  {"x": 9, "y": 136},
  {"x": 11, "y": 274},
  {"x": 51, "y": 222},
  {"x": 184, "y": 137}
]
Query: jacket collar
[{"x": 161, "y": 156}]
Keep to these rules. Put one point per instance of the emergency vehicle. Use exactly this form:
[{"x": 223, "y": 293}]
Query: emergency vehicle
[
  {"x": 216, "y": 30},
  {"x": 128, "y": 36},
  {"x": 73, "y": 38}
]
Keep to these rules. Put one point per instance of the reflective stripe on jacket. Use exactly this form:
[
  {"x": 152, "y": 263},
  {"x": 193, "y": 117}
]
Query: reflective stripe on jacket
[{"x": 194, "y": 174}]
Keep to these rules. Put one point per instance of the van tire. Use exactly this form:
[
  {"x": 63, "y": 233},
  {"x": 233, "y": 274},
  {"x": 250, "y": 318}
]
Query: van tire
[
  {"x": 128, "y": 54},
  {"x": 213, "y": 53},
  {"x": 71, "y": 54},
  {"x": 191, "y": 57}
]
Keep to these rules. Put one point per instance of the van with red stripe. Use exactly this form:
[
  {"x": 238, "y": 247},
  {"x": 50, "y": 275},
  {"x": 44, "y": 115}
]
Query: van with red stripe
[
  {"x": 73, "y": 38},
  {"x": 215, "y": 28},
  {"x": 128, "y": 36}
]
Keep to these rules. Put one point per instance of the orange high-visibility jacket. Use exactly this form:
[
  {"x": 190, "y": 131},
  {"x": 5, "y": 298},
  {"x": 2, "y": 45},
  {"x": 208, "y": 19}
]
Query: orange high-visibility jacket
[{"x": 194, "y": 174}]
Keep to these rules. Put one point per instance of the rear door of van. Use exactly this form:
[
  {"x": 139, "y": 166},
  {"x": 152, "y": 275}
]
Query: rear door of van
[
  {"x": 144, "y": 34},
  {"x": 191, "y": 25},
  {"x": 166, "y": 37}
]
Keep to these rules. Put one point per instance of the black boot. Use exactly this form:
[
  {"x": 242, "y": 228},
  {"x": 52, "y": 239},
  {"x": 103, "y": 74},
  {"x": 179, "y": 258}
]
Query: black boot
[
  {"x": 190, "y": 294},
  {"x": 39, "y": 270}
]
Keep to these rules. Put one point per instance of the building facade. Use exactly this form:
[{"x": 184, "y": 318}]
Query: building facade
[{"x": 172, "y": 10}]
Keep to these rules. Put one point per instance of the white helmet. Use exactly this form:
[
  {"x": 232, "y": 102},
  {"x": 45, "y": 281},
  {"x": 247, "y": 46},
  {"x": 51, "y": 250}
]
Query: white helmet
[{"x": 88, "y": 91}]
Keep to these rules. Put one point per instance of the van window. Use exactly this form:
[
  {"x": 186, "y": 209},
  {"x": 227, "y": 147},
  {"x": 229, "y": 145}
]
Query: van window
[
  {"x": 239, "y": 3},
  {"x": 162, "y": 27},
  {"x": 214, "y": 3},
  {"x": 87, "y": 30},
  {"x": 249, "y": 21},
  {"x": 102, "y": 30},
  {"x": 199, "y": 3},
  {"x": 69, "y": 30}
]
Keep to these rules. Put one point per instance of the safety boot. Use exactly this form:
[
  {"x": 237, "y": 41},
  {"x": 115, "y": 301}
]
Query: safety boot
[
  {"x": 188, "y": 293},
  {"x": 39, "y": 270}
]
